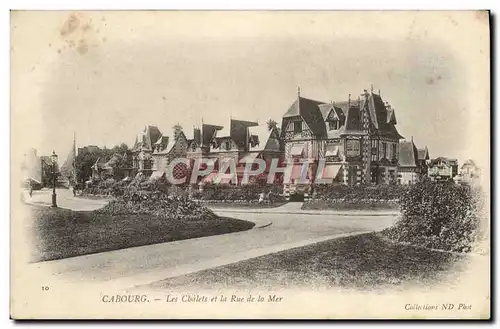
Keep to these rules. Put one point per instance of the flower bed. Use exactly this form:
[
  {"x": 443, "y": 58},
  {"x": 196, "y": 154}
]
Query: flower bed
[{"x": 156, "y": 203}]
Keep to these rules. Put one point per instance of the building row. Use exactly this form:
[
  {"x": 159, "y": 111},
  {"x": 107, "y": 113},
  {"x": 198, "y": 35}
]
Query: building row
[{"x": 357, "y": 138}]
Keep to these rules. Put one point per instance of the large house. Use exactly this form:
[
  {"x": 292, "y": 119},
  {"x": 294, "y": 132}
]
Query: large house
[
  {"x": 357, "y": 138},
  {"x": 442, "y": 169}
]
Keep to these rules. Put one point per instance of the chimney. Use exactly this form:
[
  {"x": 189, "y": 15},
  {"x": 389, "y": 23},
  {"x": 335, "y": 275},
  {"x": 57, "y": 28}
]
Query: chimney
[
  {"x": 197, "y": 135},
  {"x": 298, "y": 92}
]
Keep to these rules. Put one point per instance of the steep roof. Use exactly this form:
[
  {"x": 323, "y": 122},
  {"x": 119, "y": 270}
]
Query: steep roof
[
  {"x": 310, "y": 111},
  {"x": 423, "y": 154},
  {"x": 391, "y": 116},
  {"x": 261, "y": 138},
  {"x": 315, "y": 114},
  {"x": 146, "y": 138},
  {"x": 446, "y": 161},
  {"x": 208, "y": 133},
  {"x": 469, "y": 163},
  {"x": 407, "y": 154},
  {"x": 380, "y": 118},
  {"x": 161, "y": 144}
]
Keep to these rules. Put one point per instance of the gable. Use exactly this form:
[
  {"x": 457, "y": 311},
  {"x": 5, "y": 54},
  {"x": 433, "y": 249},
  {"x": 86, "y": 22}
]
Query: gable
[
  {"x": 224, "y": 144},
  {"x": 193, "y": 146}
]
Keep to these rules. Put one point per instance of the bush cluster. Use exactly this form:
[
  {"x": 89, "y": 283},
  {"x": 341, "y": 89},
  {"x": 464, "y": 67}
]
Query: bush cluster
[
  {"x": 216, "y": 192},
  {"x": 143, "y": 195},
  {"x": 441, "y": 216},
  {"x": 359, "y": 193},
  {"x": 159, "y": 204}
]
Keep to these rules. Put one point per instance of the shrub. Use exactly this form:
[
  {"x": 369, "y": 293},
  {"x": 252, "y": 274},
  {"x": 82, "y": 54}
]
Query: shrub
[
  {"x": 157, "y": 203},
  {"x": 439, "y": 215}
]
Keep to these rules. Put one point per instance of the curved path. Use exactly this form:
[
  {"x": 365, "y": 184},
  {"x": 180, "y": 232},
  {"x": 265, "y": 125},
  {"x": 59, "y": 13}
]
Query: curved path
[
  {"x": 122, "y": 269},
  {"x": 65, "y": 199}
]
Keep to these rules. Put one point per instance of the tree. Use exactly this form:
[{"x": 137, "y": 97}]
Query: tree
[
  {"x": 84, "y": 162},
  {"x": 271, "y": 124}
]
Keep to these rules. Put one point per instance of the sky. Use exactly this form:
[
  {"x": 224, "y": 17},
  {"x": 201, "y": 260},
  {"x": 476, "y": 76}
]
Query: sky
[{"x": 105, "y": 75}]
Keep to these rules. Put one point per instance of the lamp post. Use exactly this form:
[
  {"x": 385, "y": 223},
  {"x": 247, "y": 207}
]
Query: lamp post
[{"x": 53, "y": 157}]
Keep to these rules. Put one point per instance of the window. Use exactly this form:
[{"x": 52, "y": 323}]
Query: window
[
  {"x": 384, "y": 149},
  {"x": 334, "y": 124},
  {"x": 394, "y": 151},
  {"x": 228, "y": 145},
  {"x": 353, "y": 147},
  {"x": 297, "y": 127}
]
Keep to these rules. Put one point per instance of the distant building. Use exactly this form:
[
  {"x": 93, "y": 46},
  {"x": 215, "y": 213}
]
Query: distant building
[
  {"x": 442, "y": 169},
  {"x": 166, "y": 148},
  {"x": 142, "y": 151},
  {"x": 469, "y": 173},
  {"x": 423, "y": 161},
  {"x": 409, "y": 169},
  {"x": 413, "y": 163}
]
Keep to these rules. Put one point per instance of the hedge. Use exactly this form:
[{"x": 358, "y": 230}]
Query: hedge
[
  {"x": 440, "y": 215},
  {"x": 216, "y": 192},
  {"x": 358, "y": 193}
]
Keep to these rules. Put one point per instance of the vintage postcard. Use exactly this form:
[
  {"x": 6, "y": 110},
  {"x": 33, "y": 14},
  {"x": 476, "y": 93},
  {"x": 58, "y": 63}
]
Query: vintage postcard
[{"x": 250, "y": 165}]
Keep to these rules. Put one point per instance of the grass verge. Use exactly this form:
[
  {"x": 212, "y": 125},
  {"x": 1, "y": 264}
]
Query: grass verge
[
  {"x": 60, "y": 233},
  {"x": 361, "y": 262}
]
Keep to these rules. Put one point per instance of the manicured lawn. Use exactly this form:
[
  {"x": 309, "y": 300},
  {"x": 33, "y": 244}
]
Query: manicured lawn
[
  {"x": 324, "y": 205},
  {"x": 360, "y": 262},
  {"x": 60, "y": 233}
]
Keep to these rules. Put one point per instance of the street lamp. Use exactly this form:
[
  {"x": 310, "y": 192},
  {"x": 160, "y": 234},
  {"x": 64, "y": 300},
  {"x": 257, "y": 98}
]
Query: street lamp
[{"x": 53, "y": 157}]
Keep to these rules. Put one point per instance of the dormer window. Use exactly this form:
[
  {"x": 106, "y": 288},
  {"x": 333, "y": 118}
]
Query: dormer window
[
  {"x": 334, "y": 124},
  {"x": 228, "y": 145}
]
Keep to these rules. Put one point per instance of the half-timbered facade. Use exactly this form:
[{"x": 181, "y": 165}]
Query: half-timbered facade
[{"x": 357, "y": 139}]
